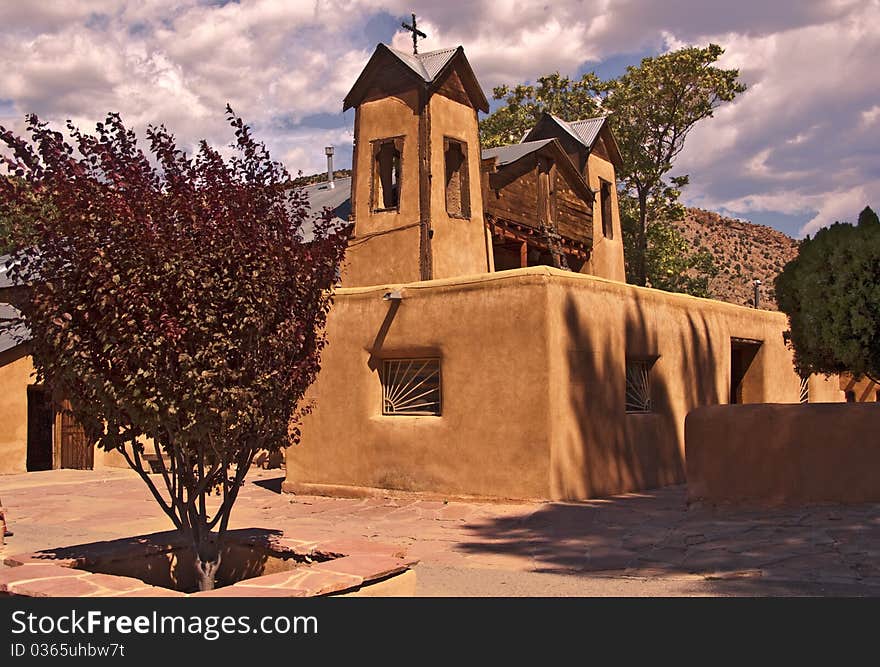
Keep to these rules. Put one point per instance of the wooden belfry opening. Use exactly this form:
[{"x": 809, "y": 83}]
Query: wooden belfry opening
[
  {"x": 386, "y": 174},
  {"x": 458, "y": 201}
]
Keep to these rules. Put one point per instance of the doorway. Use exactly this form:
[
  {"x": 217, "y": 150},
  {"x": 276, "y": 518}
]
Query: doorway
[
  {"x": 39, "y": 428},
  {"x": 743, "y": 371},
  {"x": 77, "y": 451}
]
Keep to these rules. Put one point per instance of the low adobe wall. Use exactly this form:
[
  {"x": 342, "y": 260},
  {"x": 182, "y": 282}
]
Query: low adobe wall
[
  {"x": 533, "y": 366},
  {"x": 784, "y": 454}
]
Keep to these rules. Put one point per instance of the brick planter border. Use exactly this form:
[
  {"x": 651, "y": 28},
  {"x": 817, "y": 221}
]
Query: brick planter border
[{"x": 338, "y": 566}]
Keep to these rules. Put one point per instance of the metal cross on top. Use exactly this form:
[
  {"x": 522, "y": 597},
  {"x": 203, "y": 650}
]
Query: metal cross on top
[{"x": 416, "y": 34}]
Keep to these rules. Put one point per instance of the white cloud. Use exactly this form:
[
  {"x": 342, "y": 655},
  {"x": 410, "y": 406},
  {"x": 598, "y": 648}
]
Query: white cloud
[{"x": 803, "y": 139}]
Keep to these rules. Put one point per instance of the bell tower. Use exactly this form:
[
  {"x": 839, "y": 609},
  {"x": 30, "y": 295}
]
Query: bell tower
[{"x": 416, "y": 197}]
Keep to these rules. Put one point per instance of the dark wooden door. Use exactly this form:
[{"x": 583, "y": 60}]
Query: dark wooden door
[
  {"x": 77, "y": 451},
  {"x": 39, "y": 429}
]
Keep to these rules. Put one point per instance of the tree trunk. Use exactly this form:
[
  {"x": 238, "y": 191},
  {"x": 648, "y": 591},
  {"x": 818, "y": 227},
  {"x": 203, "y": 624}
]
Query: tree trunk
[
  {"x": 642, "y": 242},
  {"x": 207, "y": 562}
]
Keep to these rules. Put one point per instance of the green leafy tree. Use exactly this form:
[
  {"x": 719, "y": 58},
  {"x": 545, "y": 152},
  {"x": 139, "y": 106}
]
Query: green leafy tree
[
  {"x": 868, "y": 217},
  {"x": 559, "y": 95},
  {"x": 175, "y": 299},
  {"x": 831, "y": 294},
  {"x": 672, "y": 263},
  {"x": 652, "y": 106}
]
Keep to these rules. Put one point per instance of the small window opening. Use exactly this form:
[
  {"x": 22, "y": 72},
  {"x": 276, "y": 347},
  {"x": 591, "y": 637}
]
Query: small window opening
[
  {"x": 605, "y": 205},
  {"x": 457, "y": 195},
  {"x": 386, "y": 174},
  {"x": 638, "y": 385}
]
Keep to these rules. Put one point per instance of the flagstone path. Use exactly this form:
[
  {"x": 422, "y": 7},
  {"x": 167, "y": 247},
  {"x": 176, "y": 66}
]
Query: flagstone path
[{"x": 649, "y": 543}]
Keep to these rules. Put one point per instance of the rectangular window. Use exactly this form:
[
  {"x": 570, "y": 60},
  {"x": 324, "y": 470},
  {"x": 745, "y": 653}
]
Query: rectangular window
[
  {"x": 411, "y": 387},
  {"x": 386, "y": 174},
  {"x": 638, "y": 385},
  {"x": 605, "y": 206},
  {"x": 458, "y": 202}
]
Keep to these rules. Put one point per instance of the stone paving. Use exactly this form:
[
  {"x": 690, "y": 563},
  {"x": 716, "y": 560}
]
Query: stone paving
[{"x": 649, "y": 543}]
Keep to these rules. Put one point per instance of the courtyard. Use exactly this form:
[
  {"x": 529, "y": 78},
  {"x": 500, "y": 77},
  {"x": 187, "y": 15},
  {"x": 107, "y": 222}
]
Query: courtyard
[{"x": 644, "y": 544}]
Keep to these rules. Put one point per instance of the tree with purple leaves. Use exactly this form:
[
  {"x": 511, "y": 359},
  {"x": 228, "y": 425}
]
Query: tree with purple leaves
[{"x": 178, "y": 302}]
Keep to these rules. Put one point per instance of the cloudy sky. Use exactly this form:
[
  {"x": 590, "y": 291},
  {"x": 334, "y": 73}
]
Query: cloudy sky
[{"x": 797, "y": 151}]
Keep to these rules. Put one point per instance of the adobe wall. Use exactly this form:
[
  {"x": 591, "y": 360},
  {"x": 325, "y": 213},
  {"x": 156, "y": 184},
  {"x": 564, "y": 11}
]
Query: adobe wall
[
  {"x": 606, "y": 259},
  {"x": 784, "y": 454},
  {"x": 458, "y": 245},
  {"x": 15, "y": 376},
  {"x": 600, "y": 449},
  {"x": 385, "y": 244},
  {"x": 533, "y": 382},
  {"x": 492, "y": 438}
]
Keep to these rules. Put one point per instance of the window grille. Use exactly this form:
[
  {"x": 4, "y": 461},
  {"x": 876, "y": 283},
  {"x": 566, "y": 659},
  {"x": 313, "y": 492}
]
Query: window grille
[
  {"x": 805, "y": 389},
  {"x": 638, "y": 386},
  {"x": 411, "y": 387}
]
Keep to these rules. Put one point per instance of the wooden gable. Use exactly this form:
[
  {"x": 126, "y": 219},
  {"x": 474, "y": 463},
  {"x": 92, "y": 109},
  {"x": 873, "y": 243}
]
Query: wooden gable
[{"x": 541, "y": 188}]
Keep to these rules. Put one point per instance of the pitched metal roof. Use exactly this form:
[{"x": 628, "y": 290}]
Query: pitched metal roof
[
  {"x": 584, "y": 131},
  {"x": 11, "y": 336},
  {"x": 426, "y": 65},
  {"x": 507, "y": 154},
  {"x": 337, "y": 198},
  {"x": 320, "y": 196},
  {"x": 588, "y": 129}
]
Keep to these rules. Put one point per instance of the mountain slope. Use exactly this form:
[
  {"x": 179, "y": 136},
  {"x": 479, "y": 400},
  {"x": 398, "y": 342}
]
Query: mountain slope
[{"x": 743, "y": 251}]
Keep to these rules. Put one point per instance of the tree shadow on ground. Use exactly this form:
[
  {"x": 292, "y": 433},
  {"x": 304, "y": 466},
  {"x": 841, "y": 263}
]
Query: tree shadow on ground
[{"x": 823, "y": 549}]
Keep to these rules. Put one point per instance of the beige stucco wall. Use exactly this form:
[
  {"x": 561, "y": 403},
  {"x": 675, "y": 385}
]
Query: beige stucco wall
[
  {"x": 606, "y": 260},
  {"x": 784, "y": 454},
  {"x": 15, "y": 375},
  {"x": 599, "y": 449},
  {"x": 458, "y": 246},
  {"x": 533, "y": 381},
  {"x": 378, "y": 252},
  {"x": 492, "y": 439}
]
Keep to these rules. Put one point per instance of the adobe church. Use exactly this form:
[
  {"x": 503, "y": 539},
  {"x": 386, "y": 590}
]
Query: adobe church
[{"x": 483, "y": 341}]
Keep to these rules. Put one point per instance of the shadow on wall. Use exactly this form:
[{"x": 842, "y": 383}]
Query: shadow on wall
[
  {"x": 744, "y": 551},
  {"x": 606, "y": 450}
]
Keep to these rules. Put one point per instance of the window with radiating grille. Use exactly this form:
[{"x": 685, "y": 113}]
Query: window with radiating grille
[
  {"x": 411, "y": 387},
  {"x": 638, "y": 386},
  {"x": 805, "y": 389}
]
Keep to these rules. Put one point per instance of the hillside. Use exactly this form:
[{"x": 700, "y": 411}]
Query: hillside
[{"x": 743, "y": 251}]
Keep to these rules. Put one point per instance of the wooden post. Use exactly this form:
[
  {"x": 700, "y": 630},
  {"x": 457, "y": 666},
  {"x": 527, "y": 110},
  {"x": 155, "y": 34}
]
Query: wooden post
[{"x": 524, "y": 255}]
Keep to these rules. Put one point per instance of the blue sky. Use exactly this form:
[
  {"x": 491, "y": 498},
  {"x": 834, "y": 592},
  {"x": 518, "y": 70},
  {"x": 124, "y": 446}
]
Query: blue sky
[{"x": 797, "y": 151}]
